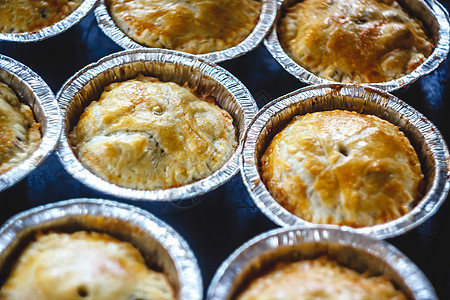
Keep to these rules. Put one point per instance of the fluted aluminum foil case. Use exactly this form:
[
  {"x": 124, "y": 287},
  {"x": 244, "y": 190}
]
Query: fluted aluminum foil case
[
  {"x": 33, "y": 91},
  {"x": 47, "y": 32},
  {"x": 355, "y": 251},
  {"x": 434, "y": 18},
  {"x": 160, "y": 245},
  {"x": 167, "y": 65},
  {"x": 426, "y": 139},
  {"x": 262, "y": 28}
]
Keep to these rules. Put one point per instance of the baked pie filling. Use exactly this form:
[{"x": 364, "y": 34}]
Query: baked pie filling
[
  {"x": 354, "y": 41},
  {"x": 343, "y": 168},
  {"x": 148, "y": 134},
  {"x": 320, "y": 278},
  {"x": 19, "y": 16},
  {"x": 83, "y": 265},
  {"x": 194, "y": 26},
  {"x": 19, "y": 133}
]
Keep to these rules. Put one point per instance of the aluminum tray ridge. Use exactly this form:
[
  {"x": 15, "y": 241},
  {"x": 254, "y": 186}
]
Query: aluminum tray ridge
[
  {"x": 423, "y": 135},
  {"x": 152, "y": 236},
  {"x": 33, "y": 91},
  {"x": 309, "y": 242},
  {"x": 167, "y": 65}
]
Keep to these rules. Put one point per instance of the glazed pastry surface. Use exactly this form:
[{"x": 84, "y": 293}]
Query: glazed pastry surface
[
  {"x": 320, "y": 278},
  {"x": 19, "y": 133},
  {"x": 354, "y": 41},
  {"x": 194, "y": 26},
  {"x": 83, "y": 265},
  {"x": 344, "y": 168},
  {"x": 18, "y": 16},
  {"x": 148, "y": 134}
]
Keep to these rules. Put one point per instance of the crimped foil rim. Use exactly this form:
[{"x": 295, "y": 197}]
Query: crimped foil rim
[
  {"x": 74, "y": 18},
  {"x": 424, "y": 209},
  {"x": 223, "y": 279},
  {"x": 74, "y": 167},
  {"x": 439, "y": 54},
  {"x": 52, "y": 120},
  {"x": 267, "y": 17},
  {"x": 191, "y": 286}
]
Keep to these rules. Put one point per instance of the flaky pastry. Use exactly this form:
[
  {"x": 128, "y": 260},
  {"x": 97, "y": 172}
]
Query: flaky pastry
[
  {"x": 354, "y": 41},
  {"x": 320, "y": 278},
  {"x": 194, "y": 26},
  {"x": 83, "y": 265},
  {"x": 344, "y": 168},
  {"x": 19, "y": 133},
  {"x": 18, "y": 16},
  {"x": 148, "y": 134}
]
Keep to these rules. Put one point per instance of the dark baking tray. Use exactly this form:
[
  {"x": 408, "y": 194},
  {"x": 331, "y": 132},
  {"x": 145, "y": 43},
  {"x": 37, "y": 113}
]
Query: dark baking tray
[{"x": 217, "y": 226}]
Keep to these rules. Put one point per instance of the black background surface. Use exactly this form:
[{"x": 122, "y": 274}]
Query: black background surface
[{"x": 219, "y": 225}]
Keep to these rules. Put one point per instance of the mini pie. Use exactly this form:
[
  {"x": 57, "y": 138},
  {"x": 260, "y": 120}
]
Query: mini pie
[
  {"x": 354, "y": 41},
  {"x": 83, "y": 265},
  {"x": 344, "y": 168},
  {"x": 19, "y": 133},
  {"x": 320, "y": 278},
  {"x": 148, "y": 134},
  {"x": 194, "y": 26},
  {"x": 20, "y": 16}
]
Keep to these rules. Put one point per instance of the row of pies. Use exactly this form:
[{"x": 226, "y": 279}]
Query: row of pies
[
  {"x": 361, "y": 41},
  {"x": 93, "y": 259},
  {"x": 330, "y": 167}
]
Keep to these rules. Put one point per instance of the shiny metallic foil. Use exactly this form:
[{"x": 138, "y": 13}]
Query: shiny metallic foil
[
  {"x": 355, "y": 251},
  {"x": 33, "y": 91},
  {"x": 161, "y": 246},
  {"x": 87, "y": 85},
  {"x": 266, "y": 19},
  {"x": 435, "y": 19},
  {"x": 426, "y": 139},
  {"x": 47, "y": 32}
]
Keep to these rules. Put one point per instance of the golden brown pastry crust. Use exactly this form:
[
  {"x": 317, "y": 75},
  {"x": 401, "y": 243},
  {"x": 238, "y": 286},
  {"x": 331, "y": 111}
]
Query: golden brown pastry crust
[
  {"x": 194, "y": 26},
  {"x": 19, "y": 133},
  {"x": 320, "y": 278},
  {"x": 83, "y": 265},
  {"x": 354, "y": 41},
  {"x": 148, "y": 134},
  {"x": 343, "y": 168},
  {"x": 31, "y": 15}
]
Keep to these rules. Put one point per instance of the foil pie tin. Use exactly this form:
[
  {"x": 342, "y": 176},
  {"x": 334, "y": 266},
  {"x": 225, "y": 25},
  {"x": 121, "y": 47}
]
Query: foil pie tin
[
  {"x": 266, "y": 19},
  {"x": 33, "y": 91},
  {"x": 434, "y": 17},
  {"x": 47, "y": 32},
  {"x": 160, "y": 245},
  {"x": 426, "y": 139},
  {"x": 355, "y": 251},
  {"x": 167, "y": 65}
]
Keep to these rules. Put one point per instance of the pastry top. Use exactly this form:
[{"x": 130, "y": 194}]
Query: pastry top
[
  {"x": 194, "y": 26},
  {"x": 83, "y": 265},
  {"x": 354, "y": 41},
  {"x": 19, "y": 133},
  {"x": 148, "y": 134},
  {"x": 20, "y": 16},
  {"x": 344, "y": 168},
  {"x": 320, "y": 278}
]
